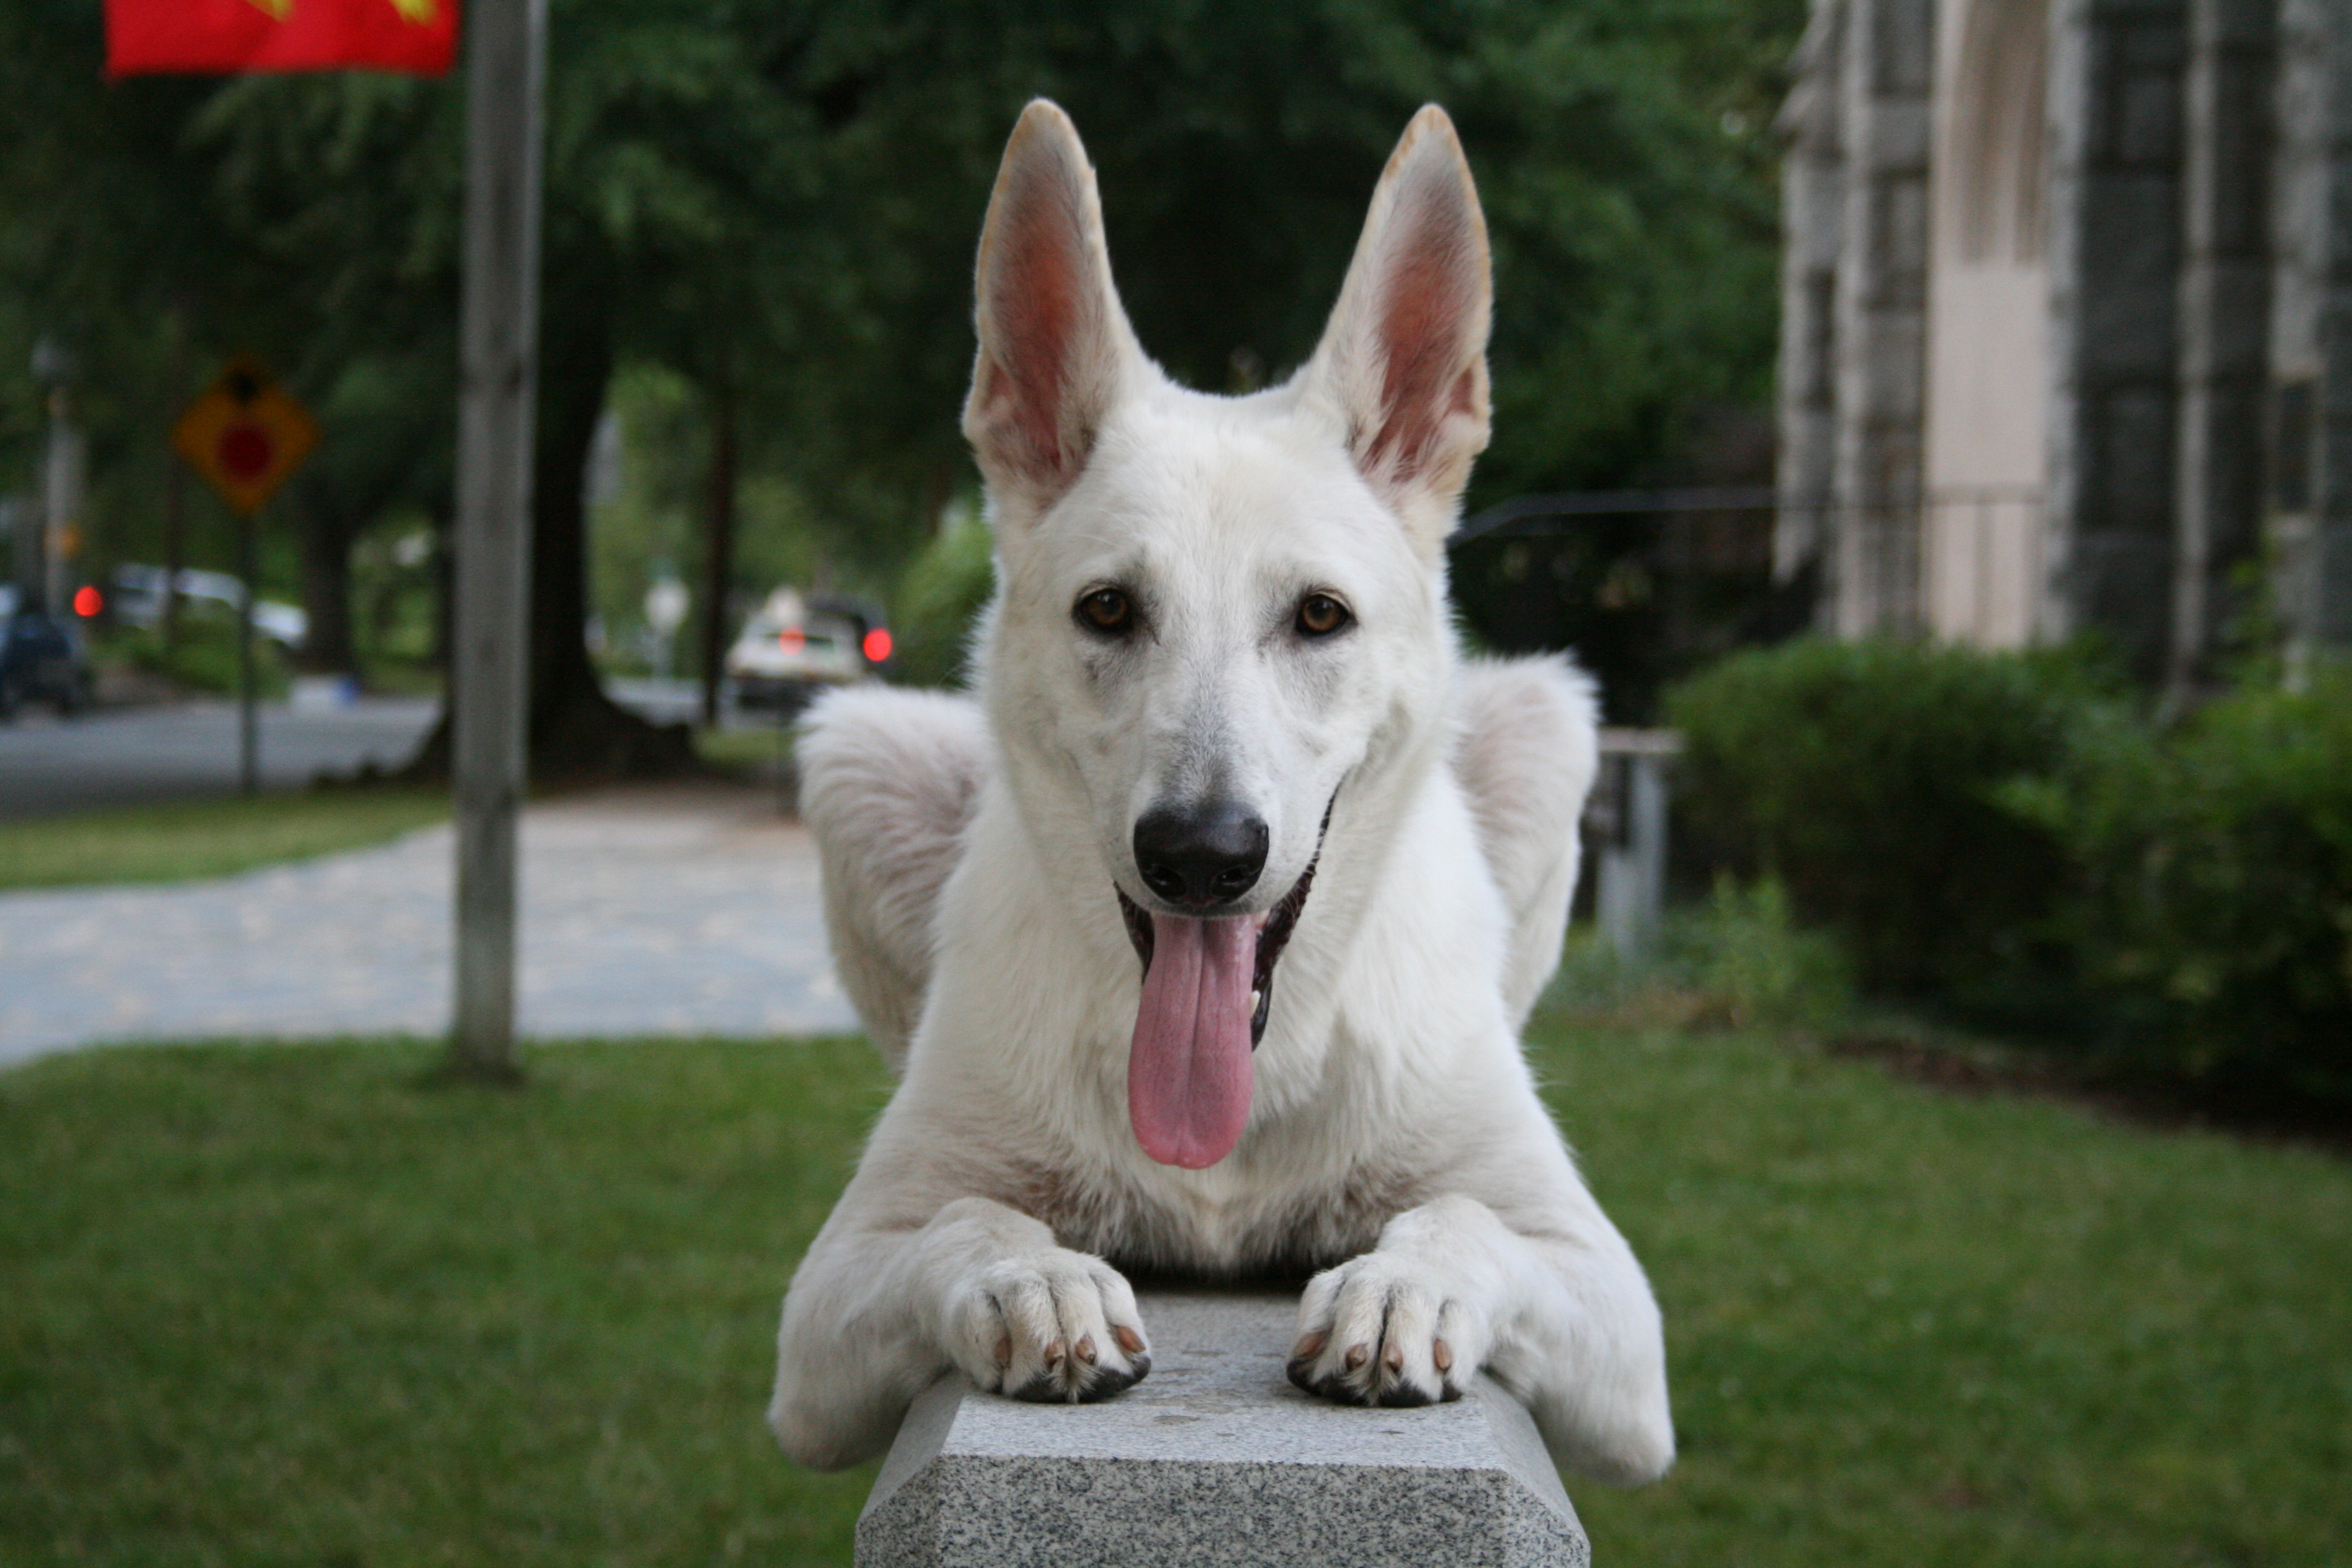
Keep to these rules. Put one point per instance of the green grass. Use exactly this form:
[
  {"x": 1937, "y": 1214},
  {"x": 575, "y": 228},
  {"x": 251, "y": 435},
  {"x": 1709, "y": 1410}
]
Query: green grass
[
  {"x": 283, "y": 1305},
  {"x": 191, "y": 839},
  {"x": 746, "y": 748}
]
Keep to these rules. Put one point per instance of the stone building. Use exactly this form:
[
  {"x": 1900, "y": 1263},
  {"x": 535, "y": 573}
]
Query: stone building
[{"x": 2067, "y": 322}]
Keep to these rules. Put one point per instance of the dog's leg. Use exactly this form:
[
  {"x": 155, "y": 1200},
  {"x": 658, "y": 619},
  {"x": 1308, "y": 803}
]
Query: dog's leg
[
  {"x": 1524, "y": 755},
  {"x": 874, "y": 1316},
  {"x": 1565, "y": 1322},
  {"x": 888, "y": 779}
]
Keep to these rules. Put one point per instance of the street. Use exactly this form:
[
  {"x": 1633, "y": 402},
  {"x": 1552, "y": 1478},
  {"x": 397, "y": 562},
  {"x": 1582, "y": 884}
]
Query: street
[{"x": 182, "y": 750}]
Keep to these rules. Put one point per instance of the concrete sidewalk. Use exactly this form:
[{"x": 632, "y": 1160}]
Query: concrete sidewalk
[{"x": 671, "y": 912}]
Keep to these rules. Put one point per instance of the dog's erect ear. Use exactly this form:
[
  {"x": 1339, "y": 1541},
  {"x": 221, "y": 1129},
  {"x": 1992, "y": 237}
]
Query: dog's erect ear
[
  {"x": 1054, "y": 345},
  {"x": 1403, "y": 362}
]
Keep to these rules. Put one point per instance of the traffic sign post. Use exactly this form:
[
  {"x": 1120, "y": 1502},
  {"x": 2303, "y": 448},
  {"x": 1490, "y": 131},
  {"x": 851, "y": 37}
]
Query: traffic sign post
[{"x": 246, "y": 435}]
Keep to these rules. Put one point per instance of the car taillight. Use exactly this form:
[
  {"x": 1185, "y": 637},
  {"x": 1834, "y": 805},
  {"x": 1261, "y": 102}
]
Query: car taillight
[
  {"x": 88, "y": 601},
  {"x": 790, "y": 639},
  {"x": 877, "y": 646}
]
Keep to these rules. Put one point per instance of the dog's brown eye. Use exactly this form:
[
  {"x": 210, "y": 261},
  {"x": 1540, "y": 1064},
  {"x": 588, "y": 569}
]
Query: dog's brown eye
[
  {"x": 1106, "y": 610},
  {"x": 1320, "y": 614}
]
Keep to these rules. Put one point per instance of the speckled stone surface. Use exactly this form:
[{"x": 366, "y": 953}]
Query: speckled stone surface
[{"x": 1217, "y": 1459}]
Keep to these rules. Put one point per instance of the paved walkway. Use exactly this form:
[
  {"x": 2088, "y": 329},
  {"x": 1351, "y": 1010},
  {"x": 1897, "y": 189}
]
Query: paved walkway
[{"x": 675, "y": 913}]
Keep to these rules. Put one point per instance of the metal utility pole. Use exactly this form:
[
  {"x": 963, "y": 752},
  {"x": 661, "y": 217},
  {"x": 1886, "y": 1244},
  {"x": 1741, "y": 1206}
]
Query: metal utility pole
[{"x": 506, "y": 67}]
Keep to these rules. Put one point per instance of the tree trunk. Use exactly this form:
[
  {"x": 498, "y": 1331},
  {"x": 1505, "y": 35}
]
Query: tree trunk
[
  {"x": 719, "y": 558},
  {"x": 577, "y": 733},
  {"x": 325, "y": 534}
]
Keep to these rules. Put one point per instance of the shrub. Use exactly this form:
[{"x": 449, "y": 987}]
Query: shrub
[
  {"x": 1868, "y": 777},
  {"x": 202, "y": 656},
  {"x": 943, "y": 590},
  {"x": 2211, "y": 907}
]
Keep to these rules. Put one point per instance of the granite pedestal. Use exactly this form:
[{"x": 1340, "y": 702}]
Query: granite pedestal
[{"x": 1217, "y": 1459}]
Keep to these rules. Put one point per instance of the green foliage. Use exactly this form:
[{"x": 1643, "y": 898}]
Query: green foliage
[
  {"x": 1747, "y": 950},
  {"x": 939, "y": 599},
  {"x": 784, "y": 198},
  {"x": 2211, "y": 907},
  {"x": 1737, "y": 961},
  {"x": 1867, "y": 775},
  {"x": 201, "y": 657}
]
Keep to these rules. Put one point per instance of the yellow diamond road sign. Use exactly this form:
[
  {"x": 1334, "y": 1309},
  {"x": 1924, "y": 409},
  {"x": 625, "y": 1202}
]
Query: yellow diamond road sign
[{"x": 244, "y": 434}]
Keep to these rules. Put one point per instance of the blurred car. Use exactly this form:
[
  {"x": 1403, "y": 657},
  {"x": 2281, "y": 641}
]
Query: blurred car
[
  {"x": 795, "y": 645},
  {"x": 138, "y": 602},
  {"x": 42, "y": 659}
]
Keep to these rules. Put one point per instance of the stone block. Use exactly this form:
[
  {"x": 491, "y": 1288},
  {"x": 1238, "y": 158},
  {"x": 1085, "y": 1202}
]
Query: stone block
[{"x": 1217, "y": 1459}]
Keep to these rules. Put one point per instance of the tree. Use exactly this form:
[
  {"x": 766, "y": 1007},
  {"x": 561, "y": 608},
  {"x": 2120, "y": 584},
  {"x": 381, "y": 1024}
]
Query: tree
[{"x": 799, "y": 185}]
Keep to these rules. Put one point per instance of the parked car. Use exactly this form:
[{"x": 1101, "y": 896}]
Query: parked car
[
  {"x": 138, "y": 602},
  {"x": 796, "y": 644},
  {"x": 42, "y": 659}
]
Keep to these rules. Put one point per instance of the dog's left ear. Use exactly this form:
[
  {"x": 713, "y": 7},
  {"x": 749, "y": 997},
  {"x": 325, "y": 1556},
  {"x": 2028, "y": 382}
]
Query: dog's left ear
[{"x": 1403, "y": 360}]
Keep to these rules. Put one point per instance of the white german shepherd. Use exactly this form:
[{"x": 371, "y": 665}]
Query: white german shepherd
[{"x": 1221, "y": 728}]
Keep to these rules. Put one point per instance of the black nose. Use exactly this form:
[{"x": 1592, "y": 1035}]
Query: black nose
[{"x": 1207, "y": 854}]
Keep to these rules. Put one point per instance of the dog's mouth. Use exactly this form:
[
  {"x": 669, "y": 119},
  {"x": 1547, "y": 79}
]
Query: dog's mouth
[{"x": 1208, "y": 988}]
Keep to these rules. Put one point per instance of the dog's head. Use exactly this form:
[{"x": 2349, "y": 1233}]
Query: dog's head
[{"x": 1213, "y": 615}]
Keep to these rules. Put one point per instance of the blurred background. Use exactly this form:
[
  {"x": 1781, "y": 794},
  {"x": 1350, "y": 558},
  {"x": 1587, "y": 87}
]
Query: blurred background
[{"x": 1918, "y": 416}]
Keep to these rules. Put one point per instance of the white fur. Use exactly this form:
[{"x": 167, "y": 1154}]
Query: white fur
[{"x": 1395, "y": 1141}]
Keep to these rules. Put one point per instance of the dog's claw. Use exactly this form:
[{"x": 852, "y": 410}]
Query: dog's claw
[
  {"x": 1128, "y": 1339},
  {"x": 1392, "y": 1357},
  {"x": 1443, "y": 1354},
  {"x": 1309, "y": 1347},
  {"x": 1358, "y": 1355},
  {"x": 1085, "y": 1349}
]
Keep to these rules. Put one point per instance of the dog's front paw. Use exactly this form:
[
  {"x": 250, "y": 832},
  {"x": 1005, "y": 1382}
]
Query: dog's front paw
[
  {"x": 1383, "y": 1328},
  {"x": 1055, "y": 1326}
]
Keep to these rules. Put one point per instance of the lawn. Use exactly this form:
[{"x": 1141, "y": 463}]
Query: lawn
[
  {"x": 288, "y": 1305},
  {"x": 190, "y": 840}
]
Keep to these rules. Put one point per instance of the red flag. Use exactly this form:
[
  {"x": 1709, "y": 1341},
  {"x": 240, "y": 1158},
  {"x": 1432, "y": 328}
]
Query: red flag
[{"x": 147, "y": 36}]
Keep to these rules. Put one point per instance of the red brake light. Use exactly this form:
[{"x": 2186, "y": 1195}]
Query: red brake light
[
  {"x": 88, "y": 601},
  {"x": 790, "y": 639},
  {"x": 878, "y": 646}
]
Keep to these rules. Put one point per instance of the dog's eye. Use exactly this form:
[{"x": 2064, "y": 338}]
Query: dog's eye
[
  {"x": 1320, "y": 614},
  {"x": 1106, "y": 610}
]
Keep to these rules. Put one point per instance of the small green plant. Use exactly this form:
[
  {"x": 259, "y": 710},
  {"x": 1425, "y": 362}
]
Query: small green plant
[
  {"x": 1746, "y": 953},
  {"x": 1739, "y": 960}
]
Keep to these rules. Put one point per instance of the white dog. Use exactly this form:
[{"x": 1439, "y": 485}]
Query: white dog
[{"x": 1223, "y": 729}]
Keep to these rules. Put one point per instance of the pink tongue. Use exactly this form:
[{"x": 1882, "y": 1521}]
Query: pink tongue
[{"x": 1188, "y": 1073}]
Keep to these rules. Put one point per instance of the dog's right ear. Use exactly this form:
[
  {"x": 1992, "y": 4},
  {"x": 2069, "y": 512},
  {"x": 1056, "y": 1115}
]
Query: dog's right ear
[{"x": 1055, "y": 343}]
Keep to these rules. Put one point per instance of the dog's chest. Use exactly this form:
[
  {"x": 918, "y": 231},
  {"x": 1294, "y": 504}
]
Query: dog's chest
[{"x": 1216, "y": 1225}]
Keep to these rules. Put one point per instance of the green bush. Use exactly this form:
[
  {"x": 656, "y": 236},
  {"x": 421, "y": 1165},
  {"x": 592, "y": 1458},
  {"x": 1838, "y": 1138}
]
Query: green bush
[
  {"x": 1868, "y": 778},
  {"x": 202, "y": 657},
  {"x": 942, "y": 592},
  {"x": 2211, "y": 906}
]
